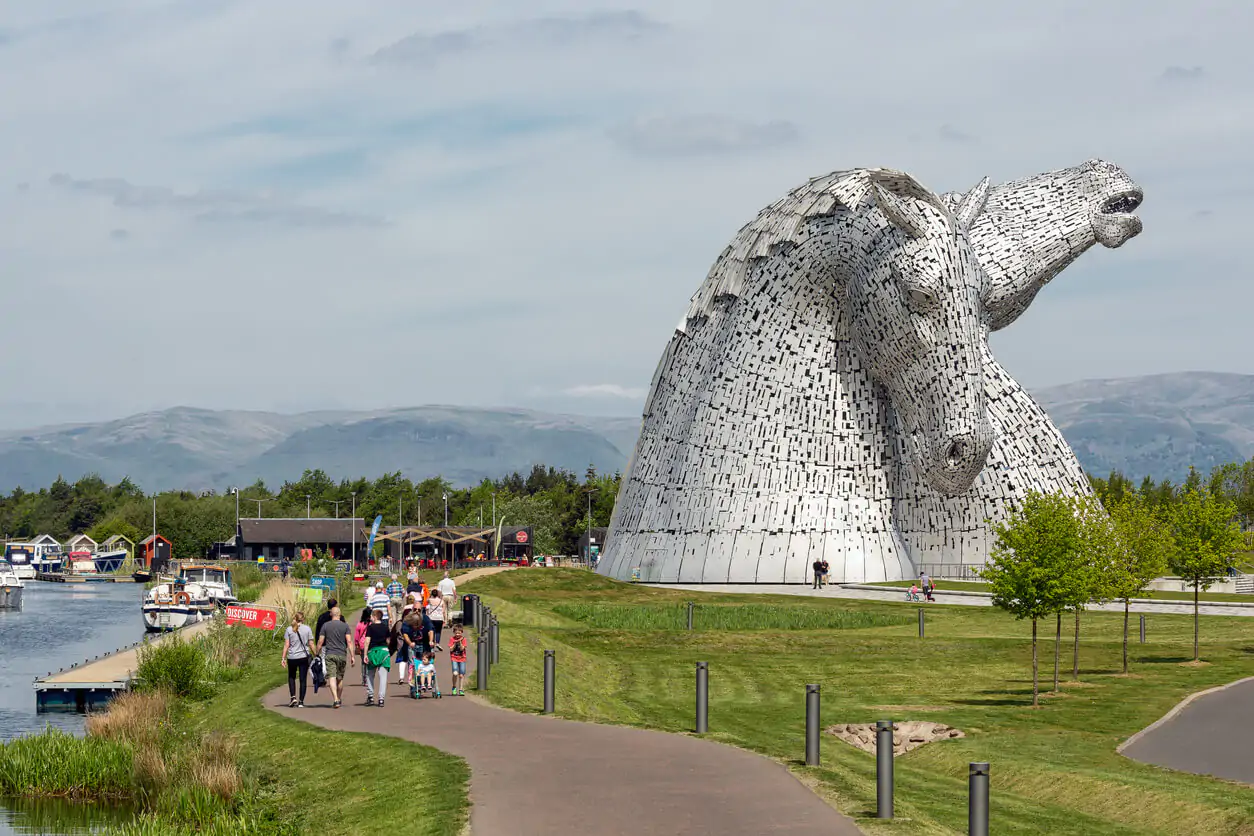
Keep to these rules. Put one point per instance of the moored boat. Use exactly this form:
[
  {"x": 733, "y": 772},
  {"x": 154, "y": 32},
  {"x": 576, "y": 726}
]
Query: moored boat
[
  {"x": 174, "y": 604},
  {"x": 213, "y": 578},
  {"x": 21, "y": 557},
  {"x": 110, "y": 561},
  {"x": 11, "y": 587}
]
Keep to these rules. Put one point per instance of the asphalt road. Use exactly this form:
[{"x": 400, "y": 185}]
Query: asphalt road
[{"x": 1211, "y": 735}]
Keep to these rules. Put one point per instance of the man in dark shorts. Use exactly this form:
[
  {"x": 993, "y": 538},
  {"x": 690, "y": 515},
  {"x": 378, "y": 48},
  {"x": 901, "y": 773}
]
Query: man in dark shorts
[{"x": 333, "y": 643}]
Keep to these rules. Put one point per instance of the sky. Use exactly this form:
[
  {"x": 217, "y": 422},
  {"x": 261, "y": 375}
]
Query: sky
[{"x": 313, "y": 204}]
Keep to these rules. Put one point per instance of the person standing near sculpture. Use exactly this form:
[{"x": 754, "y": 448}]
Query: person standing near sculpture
[{"x": 818, "y": 572}]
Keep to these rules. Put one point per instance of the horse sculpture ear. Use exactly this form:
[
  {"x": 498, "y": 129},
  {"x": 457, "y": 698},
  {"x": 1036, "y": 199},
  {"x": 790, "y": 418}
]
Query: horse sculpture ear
[
  {"x": 906, "y": 218},
  {"x": 971, "y": 205}
]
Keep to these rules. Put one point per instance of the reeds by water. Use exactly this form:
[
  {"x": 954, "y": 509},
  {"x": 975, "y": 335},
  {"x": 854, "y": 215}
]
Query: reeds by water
[{"x": 54, "y": 764}]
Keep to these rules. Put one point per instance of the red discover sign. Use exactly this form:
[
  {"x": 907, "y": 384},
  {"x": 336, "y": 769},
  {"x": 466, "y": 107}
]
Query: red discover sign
[{"x": 251, "y": 617}]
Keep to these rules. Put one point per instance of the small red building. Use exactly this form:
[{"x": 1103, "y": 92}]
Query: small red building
[{"x": 154, "y": 552}]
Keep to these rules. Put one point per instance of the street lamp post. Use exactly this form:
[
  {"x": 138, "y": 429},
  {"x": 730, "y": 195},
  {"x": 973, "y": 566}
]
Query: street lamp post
[
  {"x": 354, "y": 526},
  {"x": 494, "y": 509},
  {"x": 336, "y": 503},
  {"x": 446, "y": 516},
  {"x": 308, "y": 509},
  {"x": 588, "y": 554}
]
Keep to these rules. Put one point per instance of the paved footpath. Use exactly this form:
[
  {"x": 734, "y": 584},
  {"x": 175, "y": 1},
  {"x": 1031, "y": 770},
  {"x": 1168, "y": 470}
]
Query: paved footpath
[
  {"x": 863, "y": 592},
  {"x": 541, "y": 775},
  {"x": 1208, "y": 733}
]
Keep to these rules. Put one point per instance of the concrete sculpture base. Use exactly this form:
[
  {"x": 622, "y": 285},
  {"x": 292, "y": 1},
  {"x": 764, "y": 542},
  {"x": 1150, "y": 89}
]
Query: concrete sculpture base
[{"x": 830, "y": 393}]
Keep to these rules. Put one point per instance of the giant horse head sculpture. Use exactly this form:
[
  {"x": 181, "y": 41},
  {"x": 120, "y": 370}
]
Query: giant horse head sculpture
[
  {"x": 915, "y": 302},
  {"x": 830, "y": 393}
]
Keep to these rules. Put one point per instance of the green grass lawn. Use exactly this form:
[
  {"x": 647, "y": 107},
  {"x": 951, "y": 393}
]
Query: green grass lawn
[
  {"x": 1161, "y": 595},
  {"x": 623, "y": 658},
  {"x": 331, "y": 782}
]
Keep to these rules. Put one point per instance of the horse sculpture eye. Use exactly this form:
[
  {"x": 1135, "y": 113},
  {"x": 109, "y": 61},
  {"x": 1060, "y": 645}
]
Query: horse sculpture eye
[{"x": 920, "y": 301}]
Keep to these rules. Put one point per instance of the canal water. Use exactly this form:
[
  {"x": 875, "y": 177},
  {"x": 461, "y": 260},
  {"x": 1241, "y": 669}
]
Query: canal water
[{"x": 58, "y": 626}]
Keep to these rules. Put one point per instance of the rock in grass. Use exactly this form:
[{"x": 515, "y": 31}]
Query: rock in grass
[{"x": 907, "y": 734}]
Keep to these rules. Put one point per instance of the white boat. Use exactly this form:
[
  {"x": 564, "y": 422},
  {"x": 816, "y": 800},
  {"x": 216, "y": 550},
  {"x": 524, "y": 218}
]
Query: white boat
[
  {"x": 214, "y": 579},
  {"x": 81, "y": 563},
  {"x": 21, "y": 556},
  {"x": 173, "y": 604},
  {"x": 11, "y": 587}
]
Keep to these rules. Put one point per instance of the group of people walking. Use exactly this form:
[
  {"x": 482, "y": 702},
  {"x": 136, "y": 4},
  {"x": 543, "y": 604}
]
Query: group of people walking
[{"x": 401, "y": 625}]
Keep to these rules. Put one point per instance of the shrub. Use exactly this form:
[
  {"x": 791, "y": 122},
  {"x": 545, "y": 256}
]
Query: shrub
[
  {"x": 135, "y": 717},
  {"x": 174, "y": 665}
]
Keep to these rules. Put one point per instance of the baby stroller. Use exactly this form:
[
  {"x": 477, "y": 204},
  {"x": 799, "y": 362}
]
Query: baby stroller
[{"x": 417, "y": 691}]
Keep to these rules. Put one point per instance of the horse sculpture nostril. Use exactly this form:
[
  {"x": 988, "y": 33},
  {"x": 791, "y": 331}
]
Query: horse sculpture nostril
[{"x": 956, "y": 453}]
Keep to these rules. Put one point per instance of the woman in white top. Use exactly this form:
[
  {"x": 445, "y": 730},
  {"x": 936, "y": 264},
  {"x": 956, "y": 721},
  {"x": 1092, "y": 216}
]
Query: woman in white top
[
  {"x": 436, "y": 611},
  {"x": 296, "y": 641}
]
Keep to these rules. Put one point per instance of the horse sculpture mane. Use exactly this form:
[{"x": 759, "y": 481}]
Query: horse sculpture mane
[
  {"x": 829, "y": 392},
  {"x": 782, "y": 223}
]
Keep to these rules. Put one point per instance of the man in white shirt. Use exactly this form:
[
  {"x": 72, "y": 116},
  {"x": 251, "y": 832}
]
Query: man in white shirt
[{"x": 448, "y": 590}]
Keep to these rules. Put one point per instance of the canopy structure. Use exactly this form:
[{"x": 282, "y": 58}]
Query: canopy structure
[
  {"x": 450, "y": 542},
  {"x": 452, "y": 535}
]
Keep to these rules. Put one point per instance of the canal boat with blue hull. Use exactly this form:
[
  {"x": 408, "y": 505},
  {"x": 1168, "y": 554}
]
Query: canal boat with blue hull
[
  {"x": 109, "y": 562},
  {"x": 11, "y": 587}
]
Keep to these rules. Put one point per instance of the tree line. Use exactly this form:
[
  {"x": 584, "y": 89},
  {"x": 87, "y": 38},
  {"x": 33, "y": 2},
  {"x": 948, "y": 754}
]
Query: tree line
[
  {"x": 554, "y": 502},
  {"x": 1058, "y": 555}
]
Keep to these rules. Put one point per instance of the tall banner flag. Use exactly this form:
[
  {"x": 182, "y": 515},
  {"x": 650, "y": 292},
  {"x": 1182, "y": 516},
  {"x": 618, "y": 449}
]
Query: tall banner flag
[{"x": 374, "y": 529}]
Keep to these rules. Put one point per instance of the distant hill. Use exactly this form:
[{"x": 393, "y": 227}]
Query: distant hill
[
  {"x": 201, "y": 449},
  {"x": 1155, "y": 425}
]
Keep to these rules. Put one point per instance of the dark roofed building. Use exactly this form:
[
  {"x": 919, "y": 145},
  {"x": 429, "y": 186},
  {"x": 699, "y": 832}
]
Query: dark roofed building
[{"x": 283, "y": 539}]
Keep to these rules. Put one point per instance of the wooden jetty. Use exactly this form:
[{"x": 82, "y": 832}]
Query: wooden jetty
[
  {"x": 61, "y": 577},
  {"x": 93, "y": 682}
]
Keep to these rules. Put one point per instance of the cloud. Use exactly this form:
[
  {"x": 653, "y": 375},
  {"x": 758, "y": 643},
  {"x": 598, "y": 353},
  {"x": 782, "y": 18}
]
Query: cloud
[
  {"x": 214, "y": 205},
  {"x": 702, "y": 134},
  {"x": 119, "y": 234},
  {"x": 554, "y": 32},
  {"x": 951, "y": 134},
  {"x": 532, "y": 193},
  {"x": 606, "y": 390},
  {"x": 1183, "y": 74}
]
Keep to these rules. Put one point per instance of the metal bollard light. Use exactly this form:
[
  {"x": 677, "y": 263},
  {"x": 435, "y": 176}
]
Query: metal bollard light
[
  {"x": 689, "y": 615},
  {"x": 703, "y": 697},
  {"x": 977, "y": 804},
  {"x": 550, "y": 681},
  {"x": 494, "y": 637},
  {"x": 481, "y": 663},
  {"x": 884, "y": 769},
  {"x": 921, "y": 617},
  {"x": 1142, "y": 629},
  {"x": 812, "y": 725}
]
